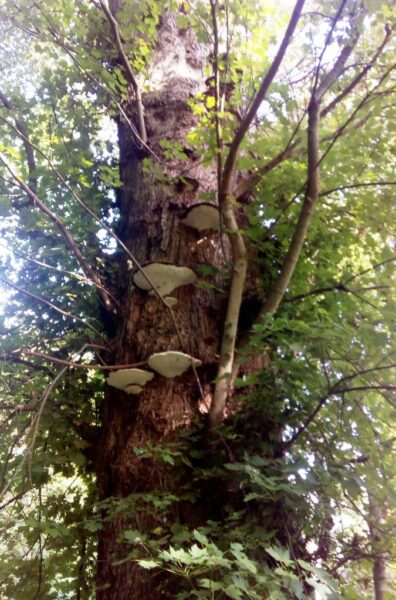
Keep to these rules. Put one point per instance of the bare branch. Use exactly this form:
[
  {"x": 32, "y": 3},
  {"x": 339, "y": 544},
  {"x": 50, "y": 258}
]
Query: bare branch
[
  {"x": 52, "y": 306},
  {"x": 290, "y": 149},
  {"x": 61, "y": 361},
  {"x": 356, "y": 185},
  {"x": 70, "y": 241},
  {"x": 258, "y": 99},
  {"x": 44, "y": 265},
  {"x": 108, "y": 229},
  {"x": 348, "y": 89},
  {"x": 311, "y": 197},
  {"x": 22, "y": 129},
  {"x": 130, "y": 75}
]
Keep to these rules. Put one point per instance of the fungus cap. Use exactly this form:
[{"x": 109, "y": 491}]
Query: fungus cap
[
  {"x": 123, "y": 378},
  {"x": 172, "y": 363},
  {"x": 165, "y": 277},
  {"x": 133, "y": 389},
  {"x": 171, "y": 301},
  {"x": 202, "y": 216}
]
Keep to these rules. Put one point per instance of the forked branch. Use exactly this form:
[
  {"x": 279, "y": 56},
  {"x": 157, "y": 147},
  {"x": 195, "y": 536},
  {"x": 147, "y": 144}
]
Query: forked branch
[{"x": 239, "y": 252}]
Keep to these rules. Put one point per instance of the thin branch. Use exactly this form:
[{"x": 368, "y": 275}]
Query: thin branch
[
  {"x": 337, "y": 287},
  {"x": 104, "y": 225},
  {"x": 365, "y": 100},
  {"x": 52, "y": 306},
  {"x": 348, "y": 89},
  {"x": 336, "y": 390},
  {"x": 364, "y": 372},
  {"x": 356, "y": 185},
  {"x": 79, "y": 278},
  {"x": 70, "y": 241},
  {"x": 130, "y": 75},
  {"x": 22, "y": 129},
  {"x": 216, "y": 91},
  {"x": 328, "y": 40},
  {"x": 43, "y": 400},
  {"x": 248, "y": 184},
  {"x": 87, "y": 75},
  {"x": 61, "y": 361},
  {"x": 311, "y": 197},
  {"x": 372, "y": 268},
  {"x": 26, "y": 363},
  {"x": 366, "y": 388},
  {"x": 260, "y": 96},
  {"x": 313, "y": 189}
]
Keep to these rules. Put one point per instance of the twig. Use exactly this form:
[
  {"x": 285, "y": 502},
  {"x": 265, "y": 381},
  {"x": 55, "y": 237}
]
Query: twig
[
  {"x": 50, "y": 387},
  {"x": 52, "y": 306},
  {"x": 70, "y": 241},
  {"x": 356, "y": 185},
  {"x": 248, "y": 184},
  {"x": 70, "y": 363},
  {"x": 22, "y": 128},
  {"x": 79, "y": 278}
]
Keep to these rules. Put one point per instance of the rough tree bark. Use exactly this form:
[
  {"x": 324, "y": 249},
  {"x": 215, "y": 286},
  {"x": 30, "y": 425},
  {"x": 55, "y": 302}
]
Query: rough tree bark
[
  {"x": 380, "y": 575},
  {"x": 150, "y": 212}
]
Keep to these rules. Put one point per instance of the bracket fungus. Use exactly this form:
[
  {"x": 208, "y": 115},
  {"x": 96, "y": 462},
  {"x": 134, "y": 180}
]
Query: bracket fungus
[
  {"x": 172, "y": 363},
  {"x": 202, "y": 216},
  {"x": 164, "y": 276},
  {"x": 171, "y": 301},
  {"x": 123, "y": 379},
  {"x": 133, "y": 389}
]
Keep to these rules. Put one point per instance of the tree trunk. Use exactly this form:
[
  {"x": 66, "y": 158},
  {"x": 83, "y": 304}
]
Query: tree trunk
[
  {"x": 151, "y": 203},
  {"x": 379, "y": 564}
]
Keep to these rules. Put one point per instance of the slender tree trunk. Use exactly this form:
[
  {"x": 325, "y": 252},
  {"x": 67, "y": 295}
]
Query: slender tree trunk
[{"x": 379, "y": 565}]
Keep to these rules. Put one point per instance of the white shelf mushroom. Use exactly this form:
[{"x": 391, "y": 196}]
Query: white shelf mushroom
[
  {"x": 202, "y": 216},
  {"x": 171, "y": 301},
  {"x": 172, "y": 363},
  {"x": 165, "y": 277},
  {"x": 133, "y": 389},
  {"x": 127, "y": 378}
]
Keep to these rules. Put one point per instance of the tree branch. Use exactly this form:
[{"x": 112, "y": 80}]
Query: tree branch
[
  {"x": 248, "y": 184},
  {"x": 52, "y": 306},
  {"x": 22, "y": 129},
  {"x": 79, "y": 278},
  {"x": 334, "y": 392},
  {"x": 128, "y": 69},
  {"x": 348, "y": 89},
  {"x": 311, "y": 197},
  {"x": 61, "y": 361},
  {"x": 258, "y": 99},
  {"x": 356, "y": 185},
  {"x": 239, "y": 251},
  {"x": 70, "y": 241}
]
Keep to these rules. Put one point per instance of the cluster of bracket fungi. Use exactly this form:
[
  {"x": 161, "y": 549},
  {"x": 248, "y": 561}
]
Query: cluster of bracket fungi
[{"x": 163, "y": 278}]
